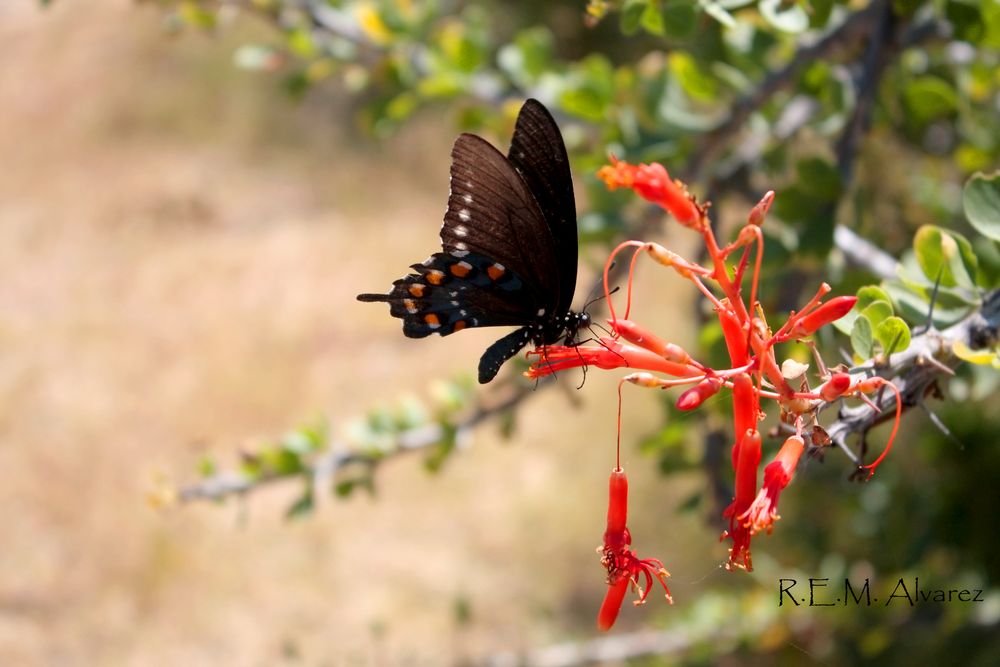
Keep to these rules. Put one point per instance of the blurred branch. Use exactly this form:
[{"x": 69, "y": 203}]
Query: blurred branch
[
  {"x": 863, "y": 253},
  {"x": 715, "y": 142},
  {"x": 338, "y": 455},
  {"x": 872, "y": 66}
]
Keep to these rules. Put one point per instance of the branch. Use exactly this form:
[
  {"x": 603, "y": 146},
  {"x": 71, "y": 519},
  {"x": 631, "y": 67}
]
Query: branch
[
  {"x": 338, "y": 455},
  {"x": 863, "y": 253},
  {"x": 915, "y": 370}
]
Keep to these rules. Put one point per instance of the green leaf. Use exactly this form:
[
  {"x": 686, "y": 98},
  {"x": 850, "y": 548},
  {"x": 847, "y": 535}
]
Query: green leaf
[
  {"x": 789, "y": 18},
  {"x": 988, "y": 256},
  {"x": 819, "y": 12},
  {"x": 680, "y": 18},
  {"x": 651, "y": 19},
  {"x": 861, "y": 338},
  {"x": 928, "y": 98},
  {"x": 913, "y": 304},
  {"x": 876, "y": 312},
  {"x": 893, "y": 335},
  {"x": 207, "y": 466},
  {"x": 695, "y": 82},
  {"x": 196, "y": 16},
  {"x": 870, "y": 294},
  {"x": 986, "y": 357},
  {"x": 302, "y": 507},
  {"x": 981, "y": 200},
  {"x": 940, "y": 253},
  {"x": 965, "y": 19},
  {"x": 632, "y": 16}
]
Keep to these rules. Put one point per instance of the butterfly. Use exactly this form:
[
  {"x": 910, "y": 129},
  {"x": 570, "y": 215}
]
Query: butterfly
[{"x": 509, "y": 244}]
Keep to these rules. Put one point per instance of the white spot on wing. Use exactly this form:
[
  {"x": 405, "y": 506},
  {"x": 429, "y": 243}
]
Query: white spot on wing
[
  {"x": 461, "y": 246},
  {"x": 464, "y": 215},
  {"x": 459, "y": 253},
  {"x": 541, "y": 311},
  {"x": 467, "y": 198},
  {"x": 461, "y": 231}
]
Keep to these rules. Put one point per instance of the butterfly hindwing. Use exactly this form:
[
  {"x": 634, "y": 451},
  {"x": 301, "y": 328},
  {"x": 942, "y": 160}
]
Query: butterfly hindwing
[
  {"x": 453, "y": 291},
  {"x": 501, "y": 351}
]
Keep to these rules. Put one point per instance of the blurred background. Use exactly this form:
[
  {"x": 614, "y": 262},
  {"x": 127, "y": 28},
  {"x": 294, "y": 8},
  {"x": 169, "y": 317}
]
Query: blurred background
[{"x": 182, "y": 242}]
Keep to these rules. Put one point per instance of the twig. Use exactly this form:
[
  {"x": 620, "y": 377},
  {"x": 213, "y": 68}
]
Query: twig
[
  {"x": 913, "y": 371},
  {"x": 338, "y": 455}
]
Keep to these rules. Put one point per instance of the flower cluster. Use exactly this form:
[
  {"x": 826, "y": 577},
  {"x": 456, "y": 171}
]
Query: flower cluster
[{"x": 754, "y": 374}]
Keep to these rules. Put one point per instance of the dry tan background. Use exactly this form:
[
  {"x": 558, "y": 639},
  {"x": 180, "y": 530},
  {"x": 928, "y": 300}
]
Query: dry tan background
[{"x": 180, "y": 246}]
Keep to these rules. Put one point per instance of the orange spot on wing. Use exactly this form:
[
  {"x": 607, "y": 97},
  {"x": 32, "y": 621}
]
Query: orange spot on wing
[
  {"x": 432, "y": 319},
  {"x": 435, "y": 277},
  {"x": 459, "y": 325},
  {"x": 495, "y": 271},
  {"x": 417, "y": 290},
  {"x": 461, "y": 269}
]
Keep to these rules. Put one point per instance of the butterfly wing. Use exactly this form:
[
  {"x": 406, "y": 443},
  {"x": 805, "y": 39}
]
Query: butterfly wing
[
  {"x": 491, "y": 212},
  {"x": 509, "y": 239},
  {"x": 452, "y": 291},
  {"x": 539, "y": 155}
]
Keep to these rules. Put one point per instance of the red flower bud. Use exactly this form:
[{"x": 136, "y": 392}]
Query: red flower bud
[
  {"x": 830, "y": 311},
  {"x": 835, "y": 387},
  {"x": 697, "y": 394}
]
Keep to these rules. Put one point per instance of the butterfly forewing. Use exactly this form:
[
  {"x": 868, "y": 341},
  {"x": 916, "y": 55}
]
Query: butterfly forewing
[
  {"x": 538, "y": 153},
  {"x": 492, "y": 213}
]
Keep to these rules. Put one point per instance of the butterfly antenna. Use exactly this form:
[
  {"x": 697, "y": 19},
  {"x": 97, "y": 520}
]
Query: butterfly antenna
[{"x": 583, "y": 367}]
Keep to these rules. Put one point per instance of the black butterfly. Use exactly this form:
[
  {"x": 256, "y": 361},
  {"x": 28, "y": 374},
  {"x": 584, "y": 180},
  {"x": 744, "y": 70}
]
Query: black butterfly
[{"x": 510, "y": 246}]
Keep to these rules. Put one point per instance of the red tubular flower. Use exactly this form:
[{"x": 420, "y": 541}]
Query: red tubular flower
[
  {"x": 830, "y": 311},
  {"x": 697, "y": 394},
  {"x": 653, "y": 183},
  {"x": 763, "y": 512},
  {"x": 747, "y": 459},
  {"x": 745, "y": 409},
  {"x": 622, "y": 564},
  {"x": 638, "y": 335},
  {"x": 610, "y": 354},
  {"x": 735, "y": 336}
]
